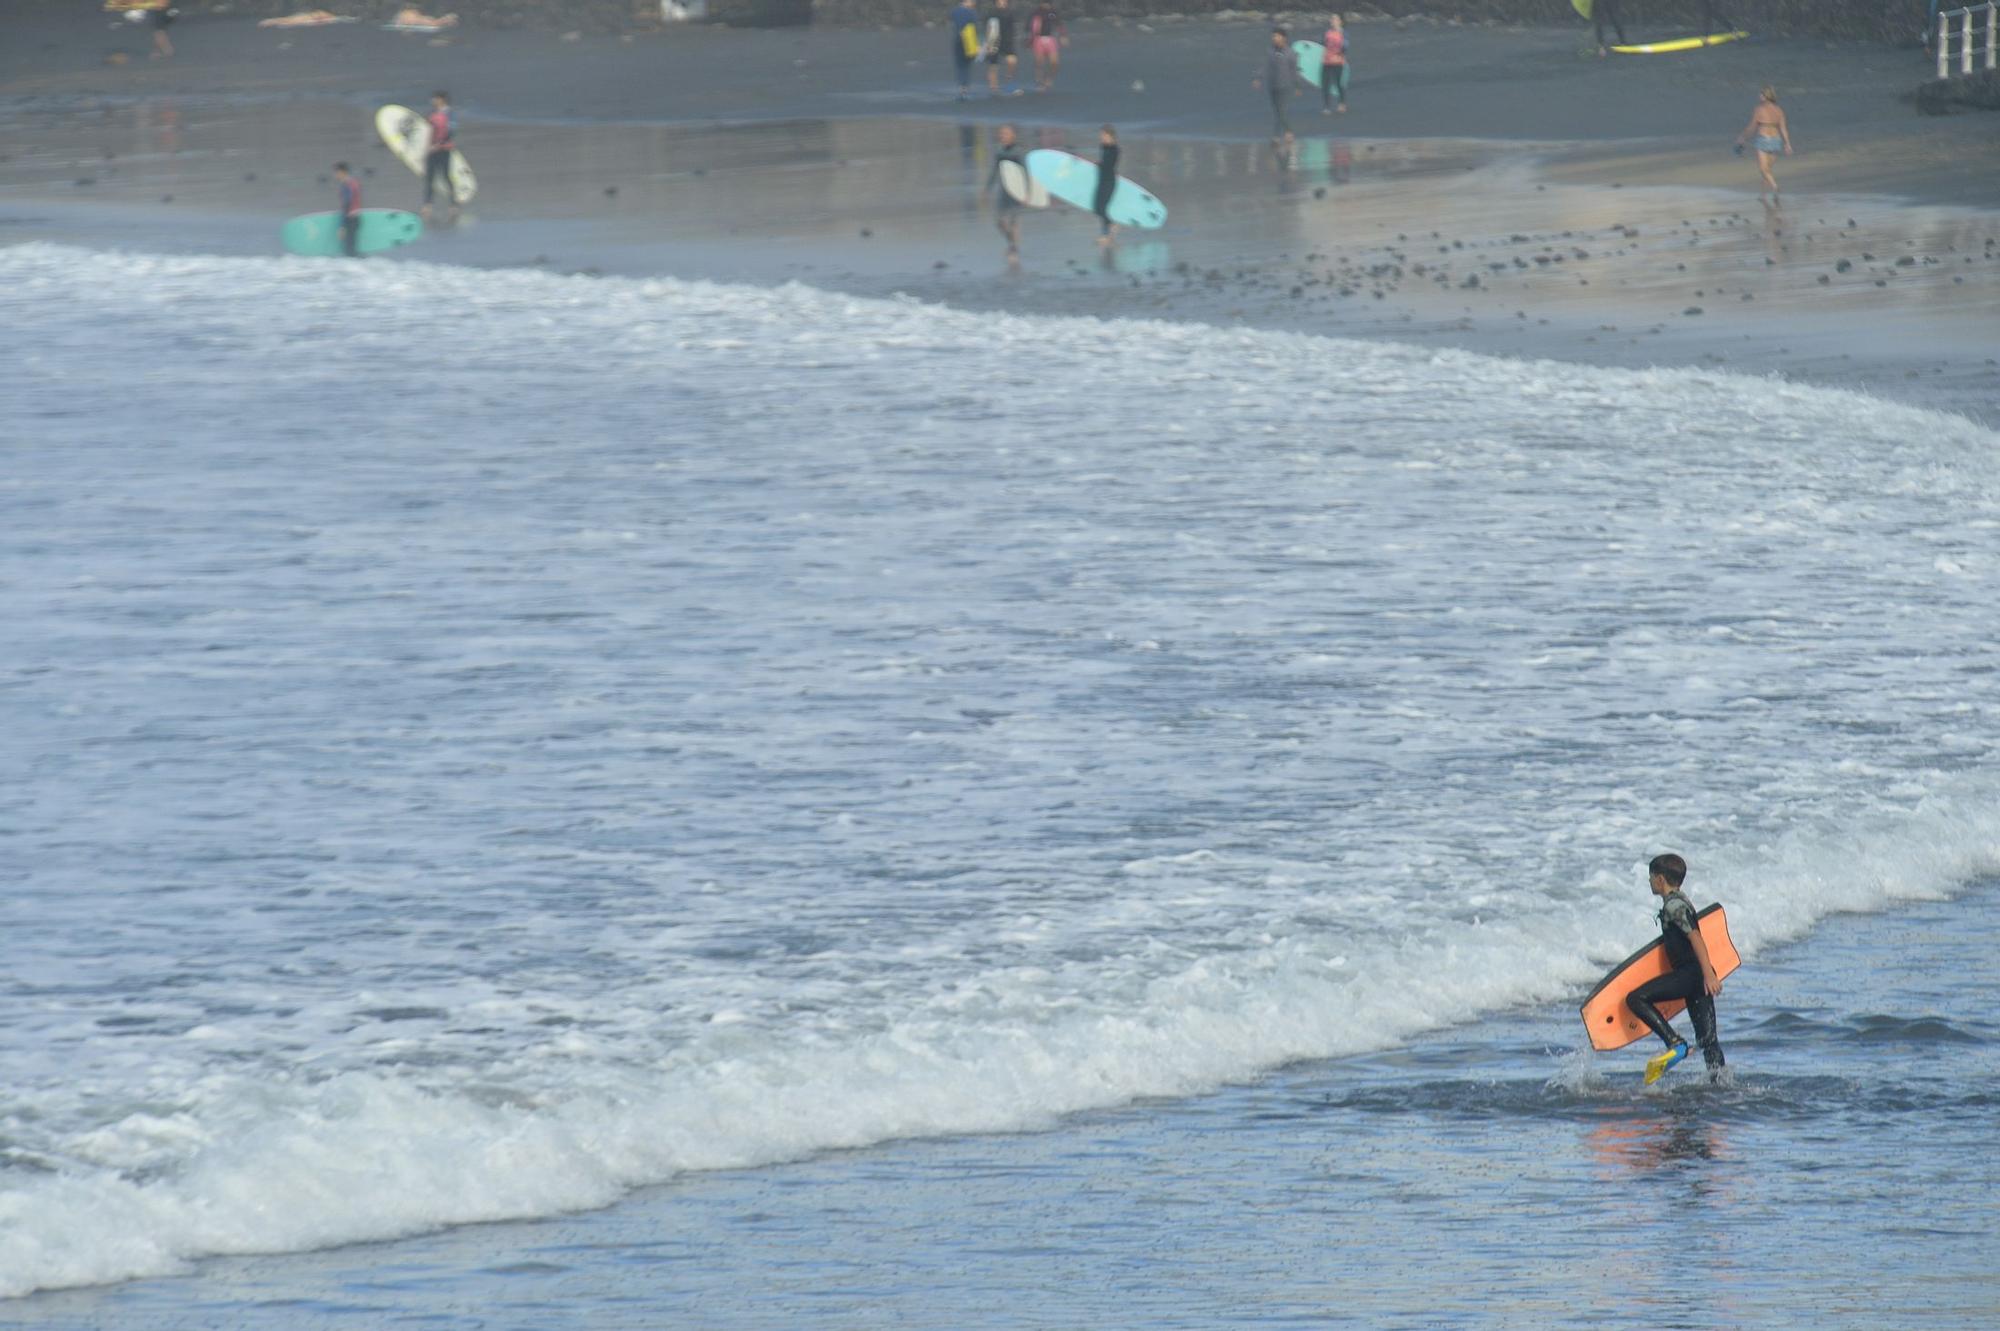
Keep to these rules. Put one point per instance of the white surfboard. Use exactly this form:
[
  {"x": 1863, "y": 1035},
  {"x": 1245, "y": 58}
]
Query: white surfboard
[
  {"x": 409, "y": 137},
  {"x": 1021, "y": 187}
]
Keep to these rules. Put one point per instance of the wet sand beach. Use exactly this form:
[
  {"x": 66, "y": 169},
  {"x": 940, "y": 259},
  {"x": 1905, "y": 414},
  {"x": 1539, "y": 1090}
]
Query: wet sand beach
[{"x": 1499, "y": 190}]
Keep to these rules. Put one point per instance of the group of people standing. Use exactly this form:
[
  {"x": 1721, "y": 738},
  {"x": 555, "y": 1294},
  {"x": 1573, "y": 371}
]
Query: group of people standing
[{"x": 999, "y": 44}]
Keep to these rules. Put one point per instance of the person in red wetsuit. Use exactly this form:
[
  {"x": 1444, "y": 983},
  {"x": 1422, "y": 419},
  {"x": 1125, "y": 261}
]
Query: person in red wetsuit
[
  {"x": 350, "y": 209},
  {"x": 437, "y": 162}
]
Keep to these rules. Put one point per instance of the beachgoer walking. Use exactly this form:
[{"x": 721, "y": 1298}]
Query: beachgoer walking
[
  {"x": 1333, "y": 68},
  {"x": 1000, "y": 50},
  {"x": 1690, "y": 976},
  {"x": 1275, "y": 77},
  {"x": 1047, "y": 36},
  {"x": 1768, "y": 133},
  {"x": 350, "y": 209},
  {"x": 964, "y": 25},
  {"x": 437, "y": 161},
  {"x": 1601, "y": 10},
  {"x": 163, "y": 16},
  {"x": 1007, "y": 208},
  {"x": 1107, "y": 182}
]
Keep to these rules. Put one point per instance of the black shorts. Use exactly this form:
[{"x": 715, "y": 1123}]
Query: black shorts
[{"x": 1000, "y": 52}]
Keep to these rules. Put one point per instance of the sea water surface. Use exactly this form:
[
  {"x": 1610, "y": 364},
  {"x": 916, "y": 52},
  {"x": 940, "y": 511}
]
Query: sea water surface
[{"x": 478, "y": 744}]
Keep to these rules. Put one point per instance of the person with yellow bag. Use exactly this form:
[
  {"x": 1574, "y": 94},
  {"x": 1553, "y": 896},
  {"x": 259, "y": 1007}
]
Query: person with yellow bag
[{"x": 964, "y": 25}]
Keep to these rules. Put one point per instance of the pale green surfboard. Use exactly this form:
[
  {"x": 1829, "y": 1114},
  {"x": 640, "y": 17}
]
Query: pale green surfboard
[
  {"x": 1311, "y": 55},
  {"x": 318, "y": 234},
  {"x": 1074, "y": 180}
]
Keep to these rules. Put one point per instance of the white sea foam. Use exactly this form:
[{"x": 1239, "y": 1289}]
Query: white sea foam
[{"x": 488, "y": 741}]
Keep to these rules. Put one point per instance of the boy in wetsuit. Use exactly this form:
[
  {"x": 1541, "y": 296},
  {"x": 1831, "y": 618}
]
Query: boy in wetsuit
[
  {"x": 1691, "y": 976},
  {"x": 350, "y": 209}
]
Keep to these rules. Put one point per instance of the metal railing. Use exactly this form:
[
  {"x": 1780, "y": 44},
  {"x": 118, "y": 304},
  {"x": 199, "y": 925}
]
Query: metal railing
[{"x": 1965, "y": 25}]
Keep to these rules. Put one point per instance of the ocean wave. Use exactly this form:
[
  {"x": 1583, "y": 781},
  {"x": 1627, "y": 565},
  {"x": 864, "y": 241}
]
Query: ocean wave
[{"x": 494, "y": 740}]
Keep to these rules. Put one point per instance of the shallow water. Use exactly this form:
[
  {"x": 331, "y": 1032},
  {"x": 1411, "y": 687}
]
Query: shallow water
[{"x": 489, "y": 742}]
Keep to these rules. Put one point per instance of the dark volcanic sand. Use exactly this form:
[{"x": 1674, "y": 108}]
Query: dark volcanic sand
[{"x": 1501, "y": 190}]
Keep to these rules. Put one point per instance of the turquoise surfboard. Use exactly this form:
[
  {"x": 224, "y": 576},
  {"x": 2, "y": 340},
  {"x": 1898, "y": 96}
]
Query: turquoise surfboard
[
  {"x": 381, "y": 229},
  {"x": 1311, "y": 56},
  {"x": 1074, "y": 181}
]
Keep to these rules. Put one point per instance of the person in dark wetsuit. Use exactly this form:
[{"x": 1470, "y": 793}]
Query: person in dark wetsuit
[
  {"x": 1107, "y": 182},
  {"x": 1691, "y": 976},
  {"x": 437, "y": 162},
  {"x": 350, "y": 209},
  {"x": 1602, "y": 12},
  {"x": 1001, "y": 50},
  {"x": 1007, "y": 209}
]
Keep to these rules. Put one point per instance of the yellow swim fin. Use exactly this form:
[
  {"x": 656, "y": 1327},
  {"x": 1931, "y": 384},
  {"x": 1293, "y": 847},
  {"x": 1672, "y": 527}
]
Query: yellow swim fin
[{"x": 1656, "y": 1066}]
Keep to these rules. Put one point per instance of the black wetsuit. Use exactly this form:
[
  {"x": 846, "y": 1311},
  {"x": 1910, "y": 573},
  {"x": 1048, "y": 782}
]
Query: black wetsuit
[
  {"x": 1684, "y": 981},
  {"x": 1602, "y": 11},
  {"x": 1107, "y": 184},
  {"x": 1018, "y": 155},
  {"x": 1001, "y": 25}
]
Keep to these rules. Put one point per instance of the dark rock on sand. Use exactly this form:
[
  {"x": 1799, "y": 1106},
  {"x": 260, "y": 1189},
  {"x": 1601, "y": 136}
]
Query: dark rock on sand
[{"x": 1976, "y": 92}]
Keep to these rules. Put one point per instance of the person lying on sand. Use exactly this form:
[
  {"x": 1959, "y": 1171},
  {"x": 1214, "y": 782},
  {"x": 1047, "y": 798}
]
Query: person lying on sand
[
  {"x": 305, "y": 18},
  {"x": 411, "y": 17}
]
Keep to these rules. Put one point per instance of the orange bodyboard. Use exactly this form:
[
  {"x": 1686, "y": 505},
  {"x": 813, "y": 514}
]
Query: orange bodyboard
[{"x": 1610, "y": 1023}]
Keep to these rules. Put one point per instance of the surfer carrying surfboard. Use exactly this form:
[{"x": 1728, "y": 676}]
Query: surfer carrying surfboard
[
  {"x": 437, "y": 161},
  {"x": 1333, "y": 67},
  {"x": 1007, "y": 209},
  {"x": 1107, "y": 182},
  {"x": 1691, "y": 976}
]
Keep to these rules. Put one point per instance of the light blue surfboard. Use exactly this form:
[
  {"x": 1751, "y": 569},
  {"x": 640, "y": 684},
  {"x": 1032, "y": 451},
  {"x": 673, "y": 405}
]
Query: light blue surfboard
[
  {"x": 318, "y": 234},
  {"x": 1311, "y": 56},
  {"x": 1074, "y": 181}
]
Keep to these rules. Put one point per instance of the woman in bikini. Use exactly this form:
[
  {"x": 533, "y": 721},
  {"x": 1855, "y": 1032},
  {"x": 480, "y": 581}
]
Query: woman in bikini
[{"x": 1769, "y": 134}]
